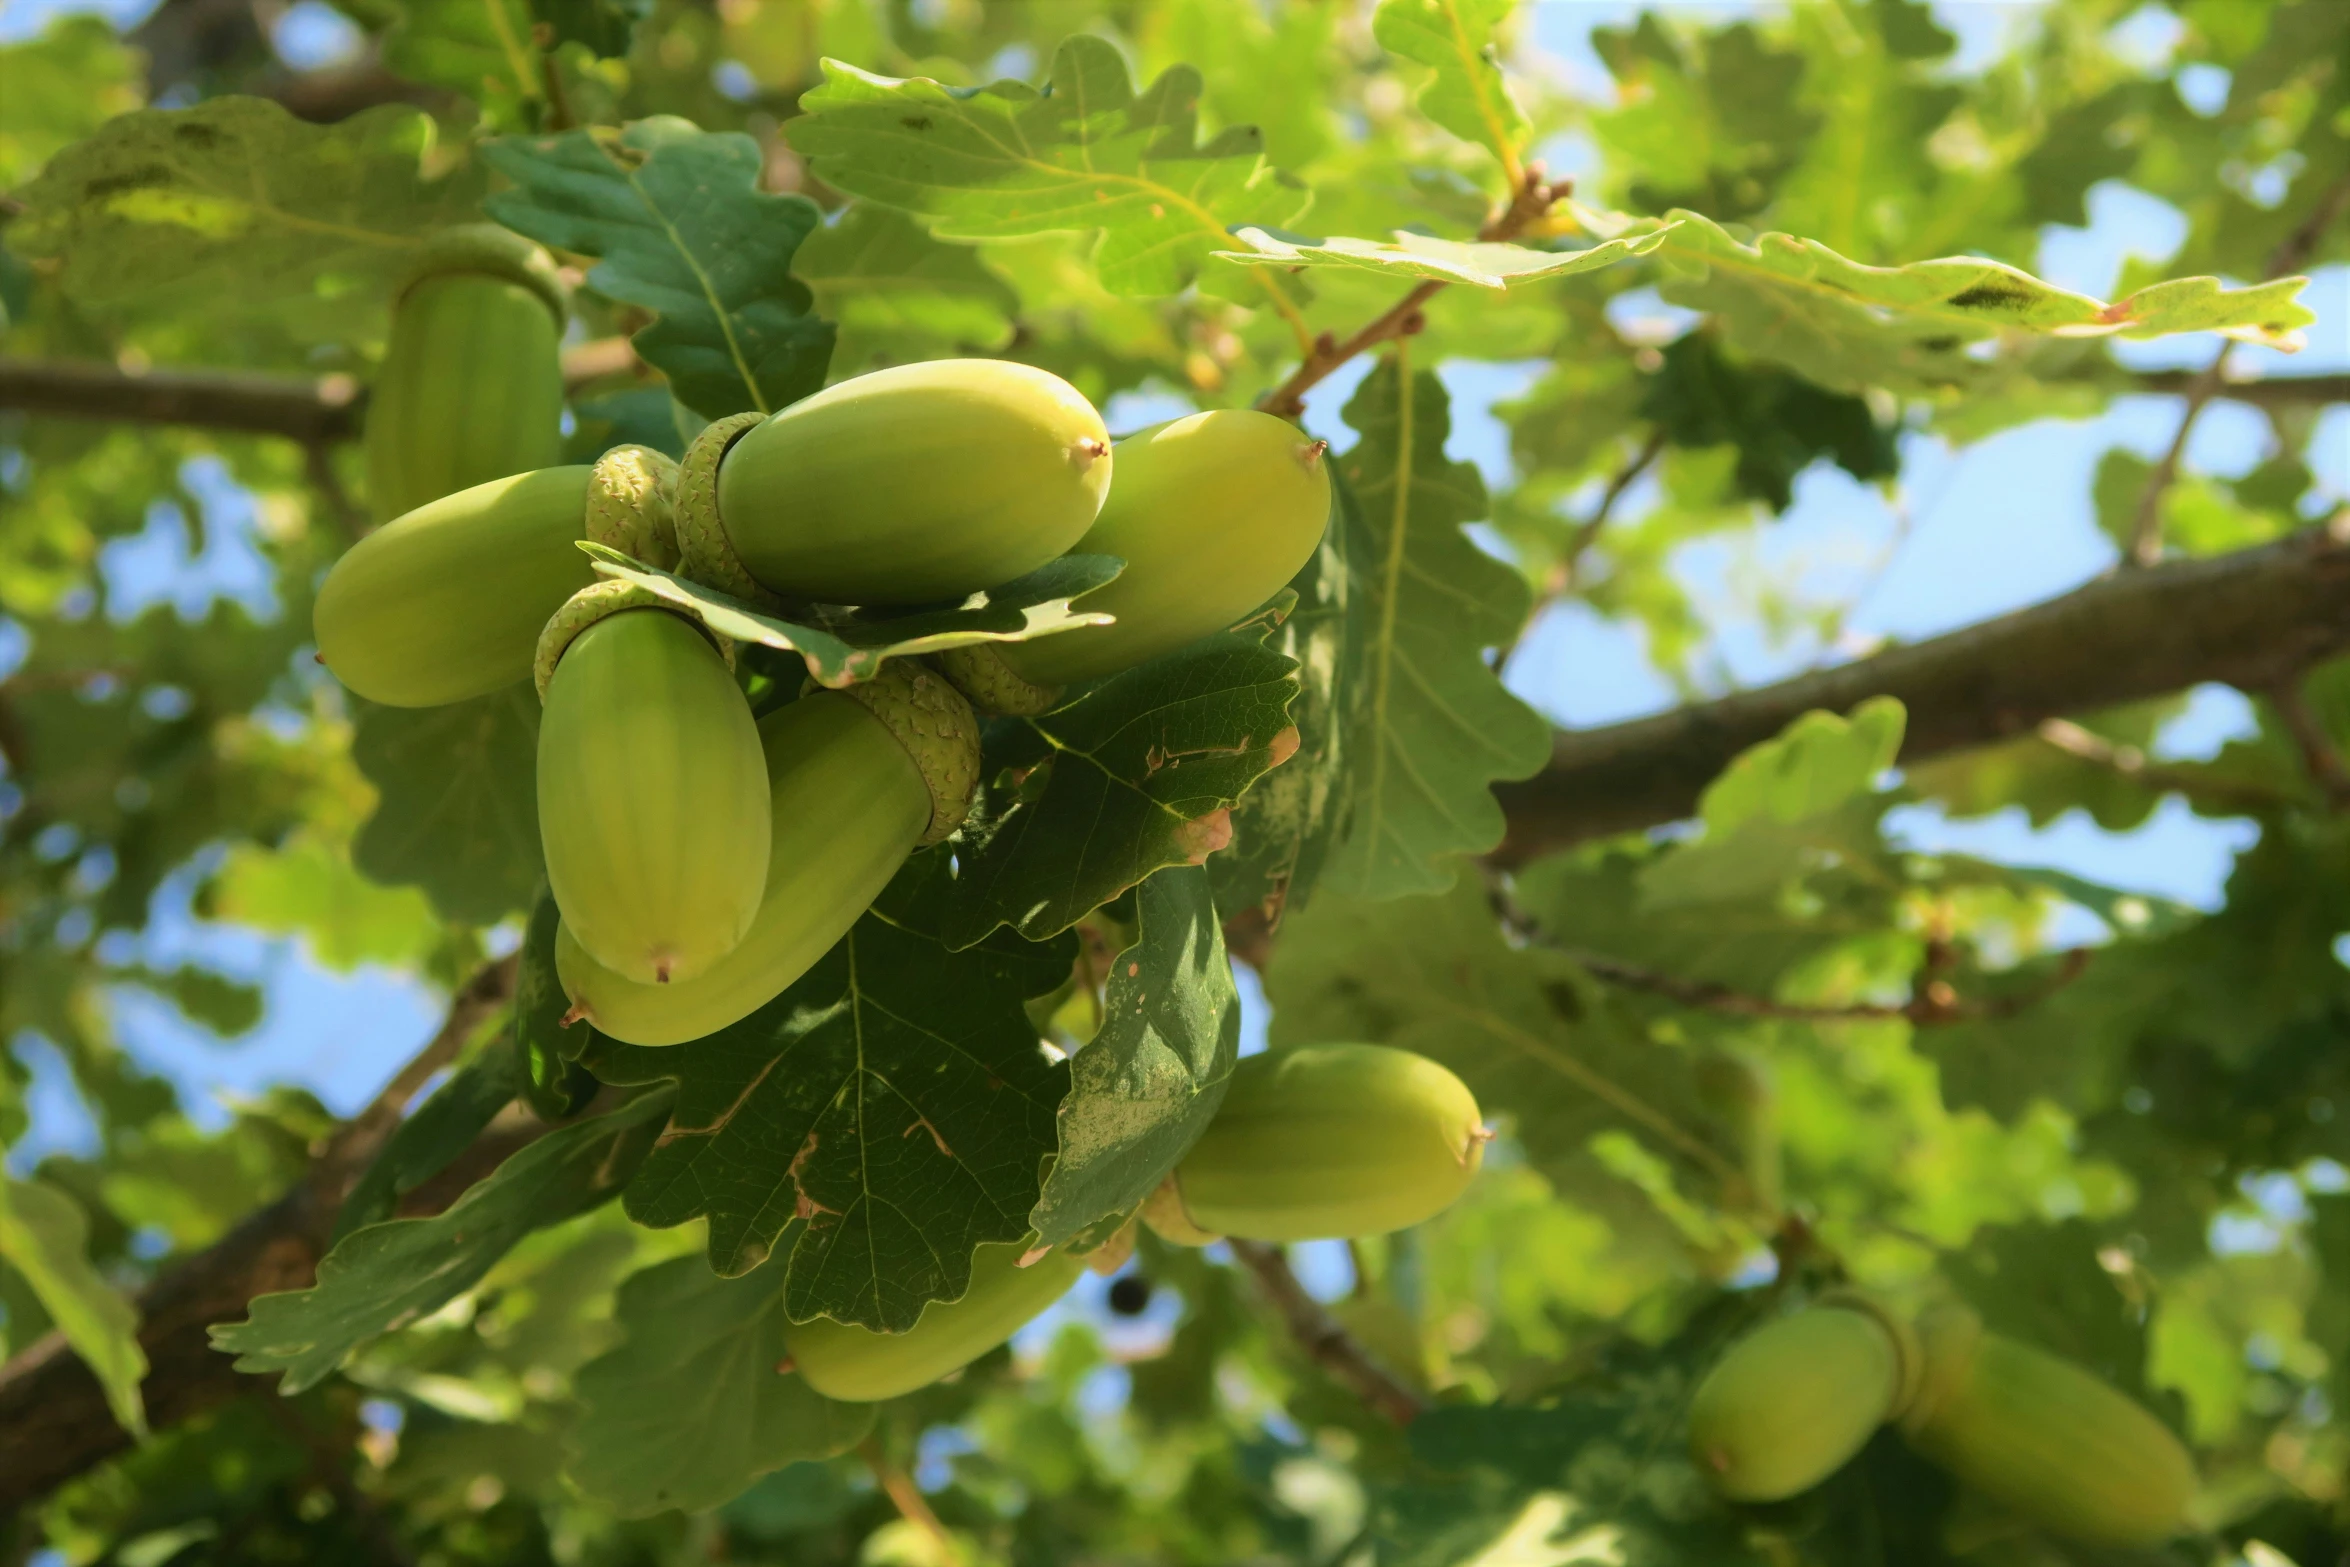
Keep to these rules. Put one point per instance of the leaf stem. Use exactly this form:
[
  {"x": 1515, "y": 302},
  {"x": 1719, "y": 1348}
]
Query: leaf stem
[
  {"x": 899, "y": 1487},
  {"x": 1325, "y": 1339}
]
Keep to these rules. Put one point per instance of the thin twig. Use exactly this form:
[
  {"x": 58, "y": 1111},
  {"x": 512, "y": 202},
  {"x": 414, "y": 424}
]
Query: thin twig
[
  {"x": 2296, "y": 248},
  {"x": 482, "y": 996},
  {"x": 907, "y": 1498},
  {"x": 1932, "y": 1003},
  {"x": 2319, "y": 754},
  {"x": 1325, "y": 1340},
  {"x": 1530, "y": 200},
  {"x": 2129, "y": 762},
  {"x": 1587, "y": 533}
]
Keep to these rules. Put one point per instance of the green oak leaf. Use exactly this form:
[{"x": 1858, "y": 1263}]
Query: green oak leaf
[
  {"x": 841, "y": 648},
  {"x": 458, "y": 812},
  {"x": 1466, "y": 94},
  {"x": 696, "y": 1401},
  {"x": 1850, "y": 327},
  {"x": 45, "y": 1237},
  {"x": 62, "y": 86},
  {"x": 1283, "y": 827},
  {"x": 678, "y": 225},
  {"x": 544, "y": 1050},
  {"x": 894, "y": 1099},
  {"x": 898, "y": 295},
  {"x": 1430, "y": 726},
  {"x": 1136, "y": 773},
  {"x": 1088, "y": 153},
  {"x": 435, "y": 1132},
  {"x": 382, "y": 1277},
  {"x": 1142, "y": 1090},
  {"x": 308, "y": 887},
  {"x": 235, "y": 205},
  {"x": 1409, "y": 255}
]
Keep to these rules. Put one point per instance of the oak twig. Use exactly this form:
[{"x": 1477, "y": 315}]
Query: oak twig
[
  {"x": 2319, "y": 754},
  {"x": 54, "y": 1420},
  {"x": 1324, "y": 1339},
  {"x": 1935, "y": 1003},
  {"x": 2145, "y": 540},
  {"x": 1588, "y": 531},
  {"x": 1531, "y": 199},
  {"x": 2129, "y": 762}
]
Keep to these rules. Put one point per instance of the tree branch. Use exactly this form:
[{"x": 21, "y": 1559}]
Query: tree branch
[
  {"x": 2127, "y": 761},
  {"x": 1324, "y": 1339},
  {"x": 2319, "y": 755},
  {"x": 312, "y": 410},
  {"x": 2252, "y": 619},
  {"x": 1934, "y": 1004},
  {"x": 2269, "y": 392},
  {"x": 54, "y": 1422}
]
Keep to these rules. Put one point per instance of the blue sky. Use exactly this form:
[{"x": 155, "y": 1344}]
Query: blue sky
[{"x": 1994, "y": 526}]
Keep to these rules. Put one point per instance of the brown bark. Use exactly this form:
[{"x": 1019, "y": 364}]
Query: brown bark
[
  {"x": 54, "y": 1421},
  {"x": 2253, "y": 619}
]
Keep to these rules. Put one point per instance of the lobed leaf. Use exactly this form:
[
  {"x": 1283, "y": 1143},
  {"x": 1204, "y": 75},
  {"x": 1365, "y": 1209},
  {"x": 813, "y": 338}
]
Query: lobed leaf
[
  {"x": 457, "y": 813},
  {"x": 1466, "y": 94},
  {"x": 696, "y": 1400},
  {"x": 1429, "y": 724},
  {"x": 1134, "y": 774},
  {"x": 898, "y": 295},
  {"x": 1144, "y": 1088},
  {"x": 678, "y": 225},
  {"x": 1086, "y": 153},
  {"x": 1909, "y": 328},
  {"x": 1478, "y": 264},
  {"x": 893, "y": 1103},
  {"x": 842, "y": 647},
  {"x": 236, "y": 205},
  {"x": 385, "y": 1276},
  {"x": 45, "y": 1237}
]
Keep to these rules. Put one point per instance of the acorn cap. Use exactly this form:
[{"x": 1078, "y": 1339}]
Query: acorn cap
[
  {"x": 493, "y": 251},
  {"x": 706, "y": 554},
  {"x": 629, "y": 504},
  {"x": 980, "y": 673},
  {"x": 607, "y": 596},
  {"x": 939, "y": 731}
]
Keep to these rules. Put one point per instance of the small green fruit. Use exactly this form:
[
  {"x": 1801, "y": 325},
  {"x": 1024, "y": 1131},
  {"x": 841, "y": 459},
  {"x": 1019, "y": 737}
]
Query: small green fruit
[
  {"x": 652, "y": 797},
  {"x": 1793, "y": 1401},
  {"x": 1212, "y": 515},
  {"x": 916, "y": 484},
  {"x": 472, "y": 382},
  {"x": 448, "y": 601},
  {"x": 2044, "y": 1439},
  {"x": 860, "y": 1366},
  {"x": 846, "y": 806},
  {"x": 1332, "y": 1140}
]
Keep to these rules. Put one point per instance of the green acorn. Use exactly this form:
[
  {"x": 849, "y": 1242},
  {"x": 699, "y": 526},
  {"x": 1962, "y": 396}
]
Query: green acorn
[
  {"x": 913, "y": 485},
  {"x": 860, "y": 1366},
  {"x": 471, "y": 387},
  {"x": 448, "y": 602},
  {"x": 651, "y": 785},
  {"x": 1326, "y": 1141},
  {"x": 1793, "y": 1401},
  {"x": 857, "y": 780}
]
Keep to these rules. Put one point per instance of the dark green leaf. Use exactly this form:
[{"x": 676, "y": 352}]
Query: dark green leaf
[
  {"x": 458, "y": 814},
  {"x": 679, "y": 226}
]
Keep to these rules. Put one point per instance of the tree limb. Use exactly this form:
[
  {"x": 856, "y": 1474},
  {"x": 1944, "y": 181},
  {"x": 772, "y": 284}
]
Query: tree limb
[
  {"x": 1324, "y": 1339},
  {"x": 54, "y": 1421},
  {"x": 2252, "y": 619}
]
